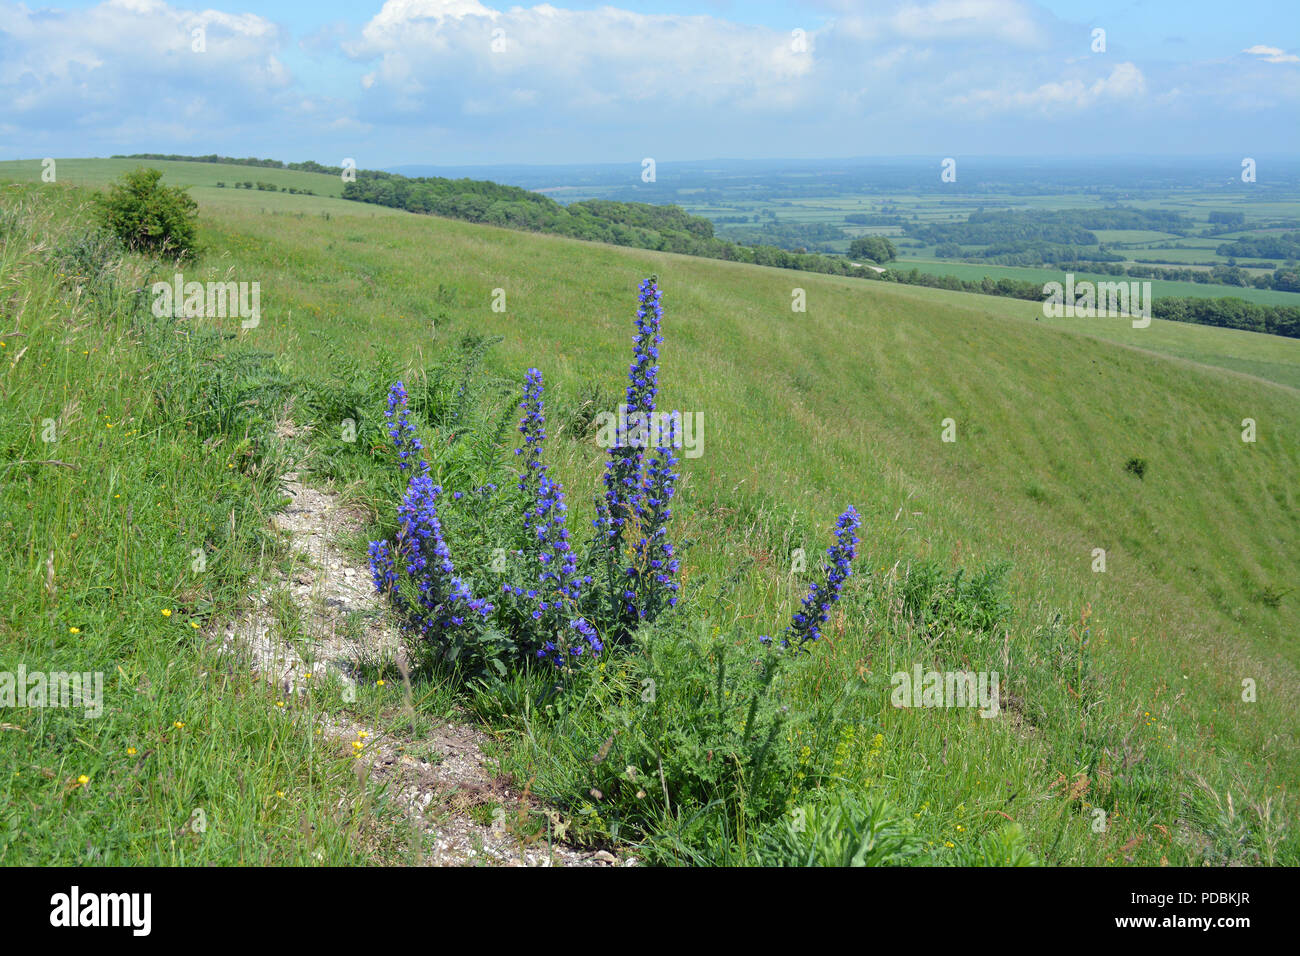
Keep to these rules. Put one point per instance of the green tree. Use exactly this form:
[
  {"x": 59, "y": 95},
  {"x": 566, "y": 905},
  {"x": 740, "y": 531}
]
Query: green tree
[
  {"x": 149, "y": 216},
  {"x": 875, "y": 248}
]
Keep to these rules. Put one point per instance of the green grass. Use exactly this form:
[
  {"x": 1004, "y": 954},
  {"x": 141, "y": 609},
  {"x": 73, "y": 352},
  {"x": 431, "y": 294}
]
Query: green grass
[
  {"x": 804, "y": 414},
  {"x": 138, "y": 478},
  {"x": 845, "y": 403},
  {"x": 1273, "y": 358}
]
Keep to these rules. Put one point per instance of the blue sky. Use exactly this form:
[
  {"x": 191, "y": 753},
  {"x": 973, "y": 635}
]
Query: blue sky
[{"x": 459, "y": 82}]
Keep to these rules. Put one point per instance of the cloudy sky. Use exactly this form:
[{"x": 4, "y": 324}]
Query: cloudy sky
[{"x": 450, "y": 82}]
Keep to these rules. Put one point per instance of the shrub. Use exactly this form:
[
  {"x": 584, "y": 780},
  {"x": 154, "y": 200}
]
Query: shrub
[
  {"x": 1136, "y": 466},
  {"x": 150, "y": 217}
]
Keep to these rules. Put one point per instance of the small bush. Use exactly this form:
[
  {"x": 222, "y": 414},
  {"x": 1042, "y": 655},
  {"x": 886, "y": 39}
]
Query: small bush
[
  {"x": 1136, "y": 466},
  {"x": 150, "y": 217},
  {"x": 957, "y": 602}
]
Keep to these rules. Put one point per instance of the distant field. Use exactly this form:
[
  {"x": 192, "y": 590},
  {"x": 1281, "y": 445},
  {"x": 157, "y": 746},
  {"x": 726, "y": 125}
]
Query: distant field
[
  {"x": 1176, "y": 257},
  {"x": 1134, "y": 244},
  {"x": 1159, "y": 287},
  {"x": 1132, "y": 235}
]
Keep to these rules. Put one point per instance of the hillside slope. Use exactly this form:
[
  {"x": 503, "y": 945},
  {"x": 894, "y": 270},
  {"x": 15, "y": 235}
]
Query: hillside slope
[{"x": 846, "y": 402}]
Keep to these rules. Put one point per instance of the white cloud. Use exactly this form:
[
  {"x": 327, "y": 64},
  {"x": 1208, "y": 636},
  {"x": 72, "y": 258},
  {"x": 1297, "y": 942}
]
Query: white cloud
[
  {"x": 1007, "y": 20},
  {"x": 461, "y": 49},
  {"x": 1271, "y": 54},
  {"x": 128, "y": 59},
  {"x": 1124, "y": 82}
]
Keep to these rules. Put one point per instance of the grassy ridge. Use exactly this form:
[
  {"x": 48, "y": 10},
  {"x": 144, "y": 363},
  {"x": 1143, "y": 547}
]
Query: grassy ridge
[
  {"x": 808, "y": 411},
  {"x": 201, "y": 179}
]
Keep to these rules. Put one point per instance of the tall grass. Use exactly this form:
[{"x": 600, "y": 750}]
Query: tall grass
[{"x": 138, "y": 467}]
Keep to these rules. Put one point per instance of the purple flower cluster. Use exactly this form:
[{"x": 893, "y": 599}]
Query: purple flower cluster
[
  {"x": 549, "y": 547},
  {"x": 383, "y": 571},
  {"x": 655, "y": 557},
  {"x": 400, "y": 429},
  {"x": 623, "y": 480},
  {"x": 637, "y": 494},
  {"x": 643, "y": 373},
  {"x": 545, "y": 521},
  {"x": 562, "y": 651},
  {"x": 442, "y": 601},
  {"x": 816, "y": 606},
  {"x": 533, "y": 427}
]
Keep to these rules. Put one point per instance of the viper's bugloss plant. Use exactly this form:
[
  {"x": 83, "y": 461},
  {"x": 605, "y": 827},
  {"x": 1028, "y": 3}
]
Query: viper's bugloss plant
[
  {"x": 552, "y": 607},
  {"x": 546, "y": 517},
  {"x": 657, "y": 562},
  {"x": 623, "y": 469},
  {"x": 633, "y": 517},
  {"x": 400, "y": 429},
  {"x": 533, "y": 427},
  {"x": 443, "y": 599},
  {"x": 416, "y": 569},
  {"x": 553, "y": 600},
  {"x": 815, "y": 609}
]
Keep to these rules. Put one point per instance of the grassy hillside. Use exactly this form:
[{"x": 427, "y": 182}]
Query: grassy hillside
[
  {"x": 805, "y": 412},
  {"x": 201, "y": 179},
  {"x": 1273, "y": 358},
  {"x": 137, "y": 474}
]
